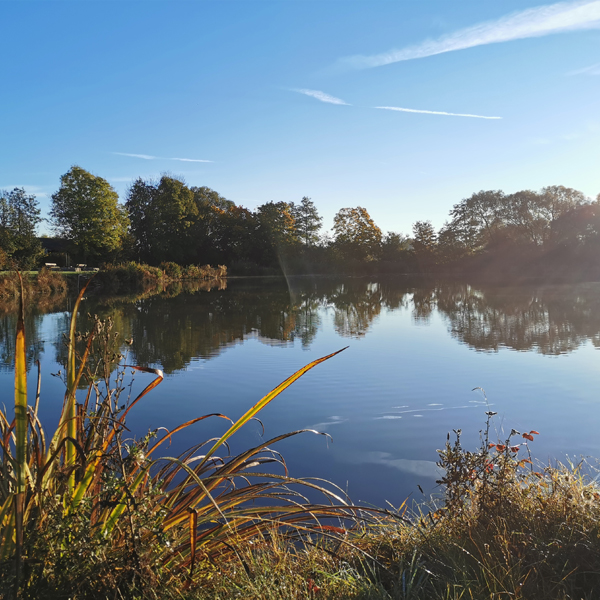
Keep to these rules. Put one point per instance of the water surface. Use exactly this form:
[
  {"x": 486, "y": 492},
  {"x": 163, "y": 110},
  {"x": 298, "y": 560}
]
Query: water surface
[{"x": 415, "y": 354}]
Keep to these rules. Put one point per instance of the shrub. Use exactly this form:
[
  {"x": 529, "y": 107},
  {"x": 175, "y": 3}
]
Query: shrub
[
  {"x": 50, "y": 282},
  {"x": 171, "y": 270}
]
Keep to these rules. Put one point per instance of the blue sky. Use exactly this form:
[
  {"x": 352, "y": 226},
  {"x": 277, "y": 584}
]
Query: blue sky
[{"x": 293, "y": 98}]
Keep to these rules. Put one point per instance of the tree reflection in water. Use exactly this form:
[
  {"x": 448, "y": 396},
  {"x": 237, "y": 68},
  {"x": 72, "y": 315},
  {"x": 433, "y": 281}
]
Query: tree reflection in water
[{"x": 186, "y": 323}]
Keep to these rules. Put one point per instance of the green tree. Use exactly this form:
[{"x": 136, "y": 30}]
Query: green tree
[
  {"x": 394, "y": 247},
  {"x": 425, "y": 243},
  {"x": 174, "y": 214},
  {"x": 140, "y": 197},
  {"x": 86, "y": 211},
  {"x": 308, "y": 221},
  {"x": 356, "y": 235},
  {"x": 276, "y": 234},
  {"x": 526, "y": 217},
  {"x": 475, "y": 221},
  {"x": 19, "y": 217},
  {"x": 163, "y": 217}
]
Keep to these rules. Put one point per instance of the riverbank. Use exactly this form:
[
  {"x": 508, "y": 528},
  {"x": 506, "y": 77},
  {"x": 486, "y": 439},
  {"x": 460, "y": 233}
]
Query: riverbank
[
  {"x": 499, "y": 532},
  {"x": 122, "y": 278},
  {"x": 500, "y": 526}
]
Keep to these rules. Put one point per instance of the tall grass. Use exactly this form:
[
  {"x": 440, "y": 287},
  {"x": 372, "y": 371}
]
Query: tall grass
[
  {"x": 44, "y": 283},
  {"x": 132, "y": 276},
  {"x": 87, "y": 511},
  {"x": 503, "y": 528}
]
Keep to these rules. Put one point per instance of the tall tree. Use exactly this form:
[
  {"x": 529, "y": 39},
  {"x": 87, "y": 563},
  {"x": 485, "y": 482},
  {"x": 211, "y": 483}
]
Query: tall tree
[
  {"x": 163, "y": 217},
  {"x": 356, "y": 234},
  {"x": 476, "y": 221},
  {"x": 425, "y": 243},
  {"x": 308, "y": 221},
  {"x": 139, "y": 205},
  {"x": 19, "y": 217},
  {"x": 276, "y": 232},
  {"x": 394, "y": 247},
  {"x": 424, "y": 237},
  {"x": 174, "y": 215},
  {"x": 86, "y": 211}
]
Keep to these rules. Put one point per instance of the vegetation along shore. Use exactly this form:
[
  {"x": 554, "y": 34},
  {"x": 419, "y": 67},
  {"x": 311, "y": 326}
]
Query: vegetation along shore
[
  {"x": 552, "y": 233},
  {"x": 87, "y": 512}
]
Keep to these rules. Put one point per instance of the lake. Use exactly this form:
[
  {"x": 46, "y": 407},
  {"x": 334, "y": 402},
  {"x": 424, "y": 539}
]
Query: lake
[{"x": 415, "y": 353}]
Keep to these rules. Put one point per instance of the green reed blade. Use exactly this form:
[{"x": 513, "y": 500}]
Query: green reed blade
[
  {"x": 21, "y": 426},
  {"x": 70, "y": 408},
  {"x": 21, "y": 421}
]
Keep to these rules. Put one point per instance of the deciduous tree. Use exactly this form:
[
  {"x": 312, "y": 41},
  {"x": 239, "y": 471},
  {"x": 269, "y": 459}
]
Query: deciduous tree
[
  {"x": 356, "y": 235},
  {"x": 86, "y": 211},
  {"x": 19, "y": 218}
]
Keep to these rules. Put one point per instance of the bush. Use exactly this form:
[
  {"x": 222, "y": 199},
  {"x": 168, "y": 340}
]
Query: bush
[
  {"x": 50, "y": 282},
  {"x": 171, "y": 270}
]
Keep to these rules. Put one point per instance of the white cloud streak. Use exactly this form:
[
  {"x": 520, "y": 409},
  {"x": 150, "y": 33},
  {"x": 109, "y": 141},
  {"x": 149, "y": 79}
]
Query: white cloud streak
[
  {"x": 322, "y": 96},
  {"x": 591, "y": 70},
  {"x": 534, "y": 22},
  {"x": 150, "y": 157},
  {"x": 434, "y": 112}
]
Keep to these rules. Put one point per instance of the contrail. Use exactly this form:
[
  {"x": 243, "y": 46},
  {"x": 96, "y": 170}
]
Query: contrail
[
  {"x": 322, "y": 96},
  {"x": 150, "y": 157},
  {"x": 533, "y": 22},
  {"x": 434, "y": 112}
]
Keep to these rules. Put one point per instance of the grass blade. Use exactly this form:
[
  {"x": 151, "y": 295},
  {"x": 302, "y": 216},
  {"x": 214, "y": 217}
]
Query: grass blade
[
  {"x": 21, "y": 426},
  {"x": 70, "y": 408},
  {"x": 264, "y": 401}
]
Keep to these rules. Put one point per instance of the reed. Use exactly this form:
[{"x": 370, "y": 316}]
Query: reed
[{"x": 87, "y": 511}]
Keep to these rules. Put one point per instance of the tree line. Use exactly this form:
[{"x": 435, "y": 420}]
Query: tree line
[{"x": 165, "y": 220}]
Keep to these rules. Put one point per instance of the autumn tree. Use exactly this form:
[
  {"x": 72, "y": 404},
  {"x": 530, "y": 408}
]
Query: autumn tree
[
  {"x": 86, "y": 211},
  {"x": 356, "y": 235},
  {"x": 224, "y": 231}
]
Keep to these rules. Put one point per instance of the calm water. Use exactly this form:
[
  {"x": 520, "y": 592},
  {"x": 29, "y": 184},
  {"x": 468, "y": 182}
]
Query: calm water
[{"x": 414, "y": 355}]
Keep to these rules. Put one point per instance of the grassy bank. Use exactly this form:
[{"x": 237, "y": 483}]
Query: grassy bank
[
  {"x": 111, "y": 279},
  {"x": 39, "y": 288},
  {"x": 501, "y": 530},
  {"x": 88, "y": 513},
  {"x": 132, "y": 276}
]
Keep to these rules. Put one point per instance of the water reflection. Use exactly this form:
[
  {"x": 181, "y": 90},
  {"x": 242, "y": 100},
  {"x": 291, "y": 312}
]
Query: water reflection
[
  {"x": 549, "y": 320},
  {"x": 34, "y": 318},
  {"x": 183, "y": 324}
]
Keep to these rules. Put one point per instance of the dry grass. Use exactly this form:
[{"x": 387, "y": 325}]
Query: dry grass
[{"x": 501, "y": 531}]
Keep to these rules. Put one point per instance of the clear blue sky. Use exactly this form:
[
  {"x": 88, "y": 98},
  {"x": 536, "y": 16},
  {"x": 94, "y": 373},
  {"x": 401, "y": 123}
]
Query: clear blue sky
[{"x": 281, "y": 96}]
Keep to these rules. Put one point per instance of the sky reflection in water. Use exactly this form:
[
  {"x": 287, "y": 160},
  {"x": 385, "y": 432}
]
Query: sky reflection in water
[{"x": 416, "y": 354}]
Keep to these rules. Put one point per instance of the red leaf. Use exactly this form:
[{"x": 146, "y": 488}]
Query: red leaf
[
  {"x": 514, "y": 448},
  {"x": 528, "y": 437},
  {"x": 491, "y": 445},
  {"x": 535, "y": 432},
  {"x": 332, "y": 528},
  {"x": 500, "y": 448}
]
